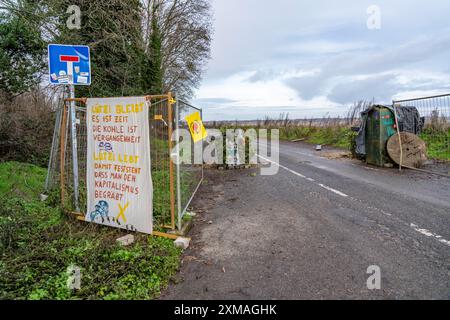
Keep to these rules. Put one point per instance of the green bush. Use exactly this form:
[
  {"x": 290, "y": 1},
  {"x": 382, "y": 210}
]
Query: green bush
[{"x": 26, "y": 128}]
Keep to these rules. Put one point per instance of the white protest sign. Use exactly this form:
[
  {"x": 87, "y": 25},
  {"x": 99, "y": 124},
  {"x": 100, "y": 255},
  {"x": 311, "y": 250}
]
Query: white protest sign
[{"x": 119, "y": 184}]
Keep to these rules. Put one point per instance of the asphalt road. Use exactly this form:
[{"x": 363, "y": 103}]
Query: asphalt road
[{"x": 312, "y": 230}]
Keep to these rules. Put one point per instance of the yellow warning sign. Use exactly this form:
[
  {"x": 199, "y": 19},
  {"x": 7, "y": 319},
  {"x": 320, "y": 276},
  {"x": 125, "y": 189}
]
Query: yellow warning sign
[{"x": 196, "y": 127}]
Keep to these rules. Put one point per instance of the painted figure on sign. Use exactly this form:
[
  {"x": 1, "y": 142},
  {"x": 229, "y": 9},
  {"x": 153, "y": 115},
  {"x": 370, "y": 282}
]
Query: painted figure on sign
[
  {"x": 101, "y": 209},
  {"x": 105, "y": 146}
]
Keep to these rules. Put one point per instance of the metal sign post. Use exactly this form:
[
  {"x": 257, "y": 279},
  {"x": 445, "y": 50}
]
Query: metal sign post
[
  {"x": 71, "y": 65},
  {"x": 73, "y": 119}
]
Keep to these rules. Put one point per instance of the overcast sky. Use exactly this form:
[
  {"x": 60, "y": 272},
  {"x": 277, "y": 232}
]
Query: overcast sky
[{"x": 310, "y": 58}]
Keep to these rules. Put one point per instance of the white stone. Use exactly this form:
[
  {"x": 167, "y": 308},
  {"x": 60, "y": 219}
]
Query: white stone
[
  {"x": 182, "y": 243},
  {"x": 43, "y": 197},
  {"x": 126, "y": 240}
]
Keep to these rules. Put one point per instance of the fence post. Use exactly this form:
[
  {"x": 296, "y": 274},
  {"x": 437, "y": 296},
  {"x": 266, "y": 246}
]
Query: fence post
[
  {"x": 171, "y": 173},
  {"x": 399, "y": 136},
  {"x": 177, "y": 128},
  {"x": 201, "y": 117},
  {"x": 62, "y": 160}
]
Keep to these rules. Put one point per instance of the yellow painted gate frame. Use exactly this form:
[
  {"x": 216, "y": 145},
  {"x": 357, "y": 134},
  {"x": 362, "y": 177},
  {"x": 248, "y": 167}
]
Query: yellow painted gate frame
[{"x": 80, "y": 216}]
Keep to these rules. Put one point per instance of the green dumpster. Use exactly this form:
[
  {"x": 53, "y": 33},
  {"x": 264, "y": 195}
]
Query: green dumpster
[{"x": 380, "y": 126}]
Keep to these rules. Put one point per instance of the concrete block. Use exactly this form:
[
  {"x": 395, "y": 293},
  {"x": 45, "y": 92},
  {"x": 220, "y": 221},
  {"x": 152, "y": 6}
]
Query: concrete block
[
  {"x": 182, "y": 243},
  {"x": 126, "y": 240}
]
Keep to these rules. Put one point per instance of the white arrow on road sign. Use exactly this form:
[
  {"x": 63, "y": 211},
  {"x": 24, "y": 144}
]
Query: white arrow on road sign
[{"x": 69, "y": 60}]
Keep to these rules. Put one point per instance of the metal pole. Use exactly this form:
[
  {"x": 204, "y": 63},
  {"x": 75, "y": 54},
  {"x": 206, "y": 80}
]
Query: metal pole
[
  {"x": 73, "y": 120},
  {"x": 62, "y": 161},
  {"x": 399, "y": 137}
]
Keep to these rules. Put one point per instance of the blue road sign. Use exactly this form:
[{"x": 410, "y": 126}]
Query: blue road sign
[{"x": 69, "y": 64}]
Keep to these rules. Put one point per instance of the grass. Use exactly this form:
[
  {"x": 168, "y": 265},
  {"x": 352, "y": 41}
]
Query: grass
[
  {"x": 30, "y": 181},
  {"x": 338, "y": 133},
  {"x": 337, "y": 136},
  {"x": 437, "y": 144},
  {"x": 38, "y": 244},
  {"x": 161, "y": 182},
  {"x": 334, "y": 132},
  {"x": 342, "y": 137}
]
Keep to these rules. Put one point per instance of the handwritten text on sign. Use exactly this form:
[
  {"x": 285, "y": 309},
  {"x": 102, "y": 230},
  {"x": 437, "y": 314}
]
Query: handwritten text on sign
[{"x": 119, "y": 185}]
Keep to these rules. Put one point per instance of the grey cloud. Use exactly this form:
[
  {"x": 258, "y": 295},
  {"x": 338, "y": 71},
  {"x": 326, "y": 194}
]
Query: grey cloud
[
  {"x": 377, "y": 88},
  {"x": 307, "y": 87},
  {"x": 392, "y": 60},
  {"x": 263, "y": 75},
  {"x": 252, "y": 36},
  {"x": 248, "y": 33},
  {"x": 427, "y": 49}
]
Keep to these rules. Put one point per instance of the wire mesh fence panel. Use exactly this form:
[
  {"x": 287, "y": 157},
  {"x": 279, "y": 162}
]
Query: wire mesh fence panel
[
  {"x": 68, "y": 171},
  {"x": 173, "y": 185},
  {"x": 190, "y": 168},
  {"x": 54, "y": 152},
  {"x": 435, "y": 114},
  {"x": 160, "y": 161}
]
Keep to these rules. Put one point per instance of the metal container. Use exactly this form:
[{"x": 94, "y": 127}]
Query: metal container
[{"x": 380, "y": 126}]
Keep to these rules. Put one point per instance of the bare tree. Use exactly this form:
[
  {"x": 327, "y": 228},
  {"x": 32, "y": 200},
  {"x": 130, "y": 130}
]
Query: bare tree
[
  {"x": 120, "y": 40},
  {"x": 186, "y": 27}
]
